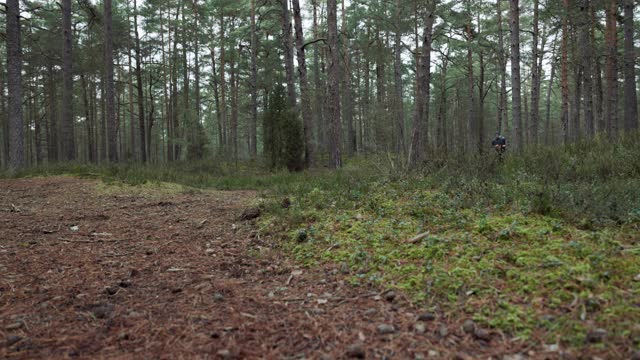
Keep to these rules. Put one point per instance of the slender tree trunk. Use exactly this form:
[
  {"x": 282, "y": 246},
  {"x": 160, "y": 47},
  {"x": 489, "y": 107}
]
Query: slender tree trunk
[
  {"x": 318, "y": 84},
  {"x": 183, "y": 132},
  {"x": 599, "y": 102},
  {"x": 347, "y": 102},
  {"x": 109, "y": 88},
  {"x": 4, "y": 120},
  {"x": 575, "y": 127},
  {"x": 630, "y": 95},
  {"x": 287, "y": 47},
  {"x": 502, "y": 63},
  {"x": 397, "y": 73},
  {"x": 196, "y": 64},
  {"x": 253, "y": 83},
  {"x": 547, "y": 123},
  {"x": 516, "y": 102},
  {"x": 87, "y": 113},
  {"x": 335, "y": 127},
  {"x": 419, "y": 142},
  {"x": 167, "y": 102},
  {"x": 141, "y": 125},
  {"x": 68, "y": 138},
  {"x": 586, "y": 56},
  {"x": 611, "y": 43},
  {"x": 534, "y": 117},
  {"x": 14, "y": 85},
  {"x": 223, "y": 85},
  {"x": 442, "y": 113},
  {"x": 472, "y": 110},
  {"x": 216, "y": 96},
  {"x": 305, "y": 99},
  {"x": 234, "y": 105},
  {"x": 565, "y": 73}
]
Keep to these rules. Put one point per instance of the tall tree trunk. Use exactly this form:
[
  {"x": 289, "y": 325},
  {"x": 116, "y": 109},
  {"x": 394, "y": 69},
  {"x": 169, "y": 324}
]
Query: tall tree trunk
[
  {"x": 586, "y": 56},
  {"x": 165, "y": 77},
  {"x": 442, "y": 132},
  {"x": 502, "y": 63},
  {"x": 335, "y": 127},
  {"x": 472, "y": 109},
  {"x": 141, "y": 125},
  {"x": 253, "y": 83},
  {"x": 183, "y": 131},
  {"x": 196, "y": 64},
  {"x": 109, "y": 88},
  {"x": 547, "y": 123},
  {"x": 347, "y": 102},
  {"x": 611, "y": 45},
  {"x": 234, "y": 105},
  {"x": 575, "y": 127},
  {"x": 216, "y": 96},
  {"x": 318, "y": 84},
  {"x": 419, "y": 140},
  {"x": 68, "y": 137},
  {"x": 516, "y": 102},
  {"x": 534, "y": 117},
  {"x": 287, "y": 47},
  {"x": 87, "y": 113},
  {"x": 565, "y": 73},
  {"x": 14, "y": 85},
  {"x": 630, "y": 95},
  {"x": 305, "y": 99},
  {"x": 4, "y": 120},
  {"x": 397, "y": 73},
  {"x": 223, "y": 85}
]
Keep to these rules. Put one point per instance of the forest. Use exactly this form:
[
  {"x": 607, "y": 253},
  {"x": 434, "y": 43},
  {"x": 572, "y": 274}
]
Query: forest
[{"x": 320, "y": 179}]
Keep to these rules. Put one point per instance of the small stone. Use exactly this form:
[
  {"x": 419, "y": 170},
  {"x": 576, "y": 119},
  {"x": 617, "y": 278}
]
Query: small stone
[
  {"x": 420, "y": 328},
  {"x": 111, "y": 290},
  {"x": 356, "y": 351},
  {"x": 386, "y": 329},
  {"x": 224, "y": 354},
  {"x": 74, "y": 228},
  {"x": 469, "y": 326},
  {"x": 427, "y": 317},
  {"x": 433, "y": 354},
  {"x": 596, "y": 335},
  {"x": 637, "y": 278},
  {"x": 14, "y": 326},
  {"x": 210, "y": 252},
  {"x": 418, "y": 357},
  {"x": 482, "y": 334},
  {"x": 344, "y": 268},
  {"x": 514, "y": 357},
  {"x": 443, "y": 331},
  {"x": 12, "y": 339},
  {"x": 370, "y": 311},
  {"x": 390, "y": 296},
  {"x": 250, "y": 214},
  {"x": 551, "y": 347},
  {"x": 218, "y": 297}
]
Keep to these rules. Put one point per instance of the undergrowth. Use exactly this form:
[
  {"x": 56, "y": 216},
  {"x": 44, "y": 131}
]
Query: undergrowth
[{"x": 545, "y": 245}]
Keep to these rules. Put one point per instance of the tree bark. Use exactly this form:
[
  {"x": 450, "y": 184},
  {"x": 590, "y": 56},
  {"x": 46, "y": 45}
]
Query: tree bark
[
  {"x": 586, "y": 56},
  {"x": 400, "y": 146},
  {"x": 141, "y": 124},
  {"x": 287, "y": 47},
  {"x": 346, "y": 86},
  {"x": 305, "y": 99},
  {"x": 14, "y": 86},
  {"x": 253, "y": 83},
  {"x": 318, "y": 84},
  {"x": 502, "y": 63},
  {"x": 472, "y": 122},
  {"x": 516, "y": 102},
  {"x": 534, "y": 117},
  {"x": 565, "y": 73},
  {"x": 547, "y": 123},
  {"x": 68, "y": 137},
  {"x": 335, "y": 127},
  {"x": 109, "y": 88},
  {"x": 611, "y": 43},
  {"x": 630, "y": 94},
  {"x": 419, "y": 141}
]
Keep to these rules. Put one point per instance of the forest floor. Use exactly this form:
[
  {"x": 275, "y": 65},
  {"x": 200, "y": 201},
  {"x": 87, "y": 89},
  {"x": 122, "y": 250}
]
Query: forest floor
[
  {"x": 91, "y": 270},
  {"x": 95, "y": 271}
]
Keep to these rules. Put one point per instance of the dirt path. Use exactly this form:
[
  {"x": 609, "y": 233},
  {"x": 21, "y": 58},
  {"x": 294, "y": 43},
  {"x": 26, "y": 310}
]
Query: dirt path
[{"x": 172, "y": 274}]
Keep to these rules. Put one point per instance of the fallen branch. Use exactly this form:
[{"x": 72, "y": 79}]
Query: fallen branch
[{"x": 418, "y": 238}]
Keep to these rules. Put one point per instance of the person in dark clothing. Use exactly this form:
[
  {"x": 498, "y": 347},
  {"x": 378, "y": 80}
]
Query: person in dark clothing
[{"x": 499, "y": 143}]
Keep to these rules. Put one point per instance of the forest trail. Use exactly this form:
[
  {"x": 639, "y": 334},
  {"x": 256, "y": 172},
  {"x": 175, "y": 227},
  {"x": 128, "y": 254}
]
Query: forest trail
[{"x": 97, "y": 271}]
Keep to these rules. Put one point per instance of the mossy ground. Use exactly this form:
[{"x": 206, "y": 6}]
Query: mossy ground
[{"x": 523, "y": 274}]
